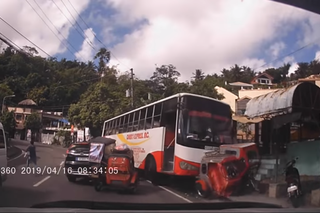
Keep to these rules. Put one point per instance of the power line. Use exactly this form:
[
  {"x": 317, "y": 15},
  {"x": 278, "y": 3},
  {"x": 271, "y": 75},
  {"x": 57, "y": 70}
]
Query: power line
[
  {"x": 25, "y": 37},
  {"x": 68, "y": 106},
  {"x": 95, "y": 35},
  {"x": 75, "y": 20},
  {"x": 10, "y": 43},
  {"x": 48, "y": 25},
  {"x": 58, "y": 30},
  {"x": 72, "y": 24},
  {"x": 289, "y": 54}
]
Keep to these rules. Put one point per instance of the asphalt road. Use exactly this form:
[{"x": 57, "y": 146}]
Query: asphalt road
[{"x": 25, "y": 190}]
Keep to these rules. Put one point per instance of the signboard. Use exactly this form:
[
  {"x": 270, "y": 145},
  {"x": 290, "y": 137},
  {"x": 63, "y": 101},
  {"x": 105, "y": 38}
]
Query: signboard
[
  {"x": 28, "y": 135},
  {"x": 80, "y": 135},
  {"x": 96, "y": 152}
]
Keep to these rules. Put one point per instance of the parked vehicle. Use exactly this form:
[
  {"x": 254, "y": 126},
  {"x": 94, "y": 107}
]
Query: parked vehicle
[
  {"x": 112, "y": 166},
  {"x": 228, "y": 170},
  {"x": 77, "y": 161},
  {"x": 3, "y": 154},
  {"x": 292, "y": 178}
]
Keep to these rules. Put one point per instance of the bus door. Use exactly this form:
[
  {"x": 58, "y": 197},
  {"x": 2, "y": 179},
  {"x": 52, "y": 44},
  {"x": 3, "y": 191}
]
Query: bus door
[{"x": 169, "y": 122}]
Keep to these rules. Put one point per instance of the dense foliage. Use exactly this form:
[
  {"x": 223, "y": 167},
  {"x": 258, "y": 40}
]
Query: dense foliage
[{"x": 88, "y": 93}]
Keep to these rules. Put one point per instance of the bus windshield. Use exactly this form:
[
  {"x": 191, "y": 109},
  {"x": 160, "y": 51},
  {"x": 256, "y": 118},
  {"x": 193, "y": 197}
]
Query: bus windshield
[
  {"x": 205, "y": 126},
  {"x": 205, "y": 122}
]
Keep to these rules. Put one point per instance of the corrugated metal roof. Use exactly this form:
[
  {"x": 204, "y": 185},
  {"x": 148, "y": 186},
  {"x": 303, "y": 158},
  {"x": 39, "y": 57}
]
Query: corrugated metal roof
[
  {"x": 27, "y": 102},
  {"x": 271, "y": 103}
]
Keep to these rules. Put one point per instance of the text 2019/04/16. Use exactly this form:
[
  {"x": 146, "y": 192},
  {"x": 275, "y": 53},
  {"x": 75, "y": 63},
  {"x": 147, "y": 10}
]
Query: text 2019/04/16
[
  {"x": 46, "y": 170},
  {"x": 51, "y": 170}
]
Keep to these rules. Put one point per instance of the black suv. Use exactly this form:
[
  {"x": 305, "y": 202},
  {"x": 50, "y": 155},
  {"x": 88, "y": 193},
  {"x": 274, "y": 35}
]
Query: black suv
[{"x": 77, "y": 161}]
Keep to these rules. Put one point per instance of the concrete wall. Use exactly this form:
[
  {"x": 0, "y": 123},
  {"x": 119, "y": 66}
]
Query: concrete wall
[
  {"x": 47, "y": 138},
  {"x": 229, "y": 97},
  {"x": 309, "y": 156}
]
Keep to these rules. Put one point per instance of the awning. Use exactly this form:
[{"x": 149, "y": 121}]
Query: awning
[
  {"x": 63, "y": 120},
  {"x": 245, "y": 120},
  {"x": 300, "y": 96}
]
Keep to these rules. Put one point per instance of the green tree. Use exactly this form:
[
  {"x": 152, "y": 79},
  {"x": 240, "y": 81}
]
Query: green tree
[
  {"x": 96, "y": 105},
  {"x": 5, "y": 91},
  {"x": 165, "y": 79},
  {"x": 206, "y": 87},
  {"x": 238, "y": 74},
  {"x": 104, "y": 56},
  {"x": 9, "y": 123}
]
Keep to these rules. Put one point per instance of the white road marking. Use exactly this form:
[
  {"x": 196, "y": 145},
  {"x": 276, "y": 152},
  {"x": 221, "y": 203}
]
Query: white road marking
[
  {"x": 173, "y": 193},
  {"x": 22, "y": 153},
  {"x": 61, "y": 164},
  {"x": 41, "y": 181}
]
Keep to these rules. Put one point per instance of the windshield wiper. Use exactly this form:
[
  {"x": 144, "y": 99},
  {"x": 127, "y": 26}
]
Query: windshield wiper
[{"x": 157, "y": 206}]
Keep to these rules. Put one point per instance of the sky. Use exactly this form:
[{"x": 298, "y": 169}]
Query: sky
[{"x": 203, "y": 34}]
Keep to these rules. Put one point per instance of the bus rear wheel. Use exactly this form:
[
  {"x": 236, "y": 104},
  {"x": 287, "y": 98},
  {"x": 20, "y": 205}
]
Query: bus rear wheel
[{"x": 150, "y": 170}]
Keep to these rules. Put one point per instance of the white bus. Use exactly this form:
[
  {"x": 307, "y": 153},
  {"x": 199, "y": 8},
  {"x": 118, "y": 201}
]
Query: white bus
[
  {"x": 171, "y": 135},
  {"x": 3, "y": 154}
]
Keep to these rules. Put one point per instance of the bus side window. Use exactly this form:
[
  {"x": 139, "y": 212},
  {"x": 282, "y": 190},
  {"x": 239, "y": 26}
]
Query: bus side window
[
  {"x": 130, "y": 122},
  {"x": 120, "y": 126},
  {"x": 125, "y": 123},
  {"x": 111, "y": 129},
  {"x": 106, "y": 124},
  {"x": 136, "y": 120},
  {"x": 142, "y": 120},
  {"x": 149, "y": 117},
  {"x": 157, "y": 115},
  {"x": 2, "y": 139},
  {"x": 116, "y": 126}
]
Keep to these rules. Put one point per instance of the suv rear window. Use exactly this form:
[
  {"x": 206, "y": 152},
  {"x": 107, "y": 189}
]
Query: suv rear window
[{"x": 80, "y": 147}]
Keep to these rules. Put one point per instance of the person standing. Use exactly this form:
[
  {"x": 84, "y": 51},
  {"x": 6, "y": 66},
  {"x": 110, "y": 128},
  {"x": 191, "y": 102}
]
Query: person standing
[{"x": 32, "y": 154}]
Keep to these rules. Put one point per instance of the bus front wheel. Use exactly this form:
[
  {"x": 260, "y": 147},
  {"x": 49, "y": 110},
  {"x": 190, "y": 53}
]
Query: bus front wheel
[{"x": 151, "y": 170}]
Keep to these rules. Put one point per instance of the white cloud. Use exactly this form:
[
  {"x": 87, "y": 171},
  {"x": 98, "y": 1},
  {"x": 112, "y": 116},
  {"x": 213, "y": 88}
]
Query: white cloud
[
  {"x": 23, "y": 18},
  {"x": 276, "y": 48},
  {"x": 293, "y": 68},
  {"x": 86, "y": 53},
  {"x": 317, "y": 56},
  {"x": 210, "y": 35}
]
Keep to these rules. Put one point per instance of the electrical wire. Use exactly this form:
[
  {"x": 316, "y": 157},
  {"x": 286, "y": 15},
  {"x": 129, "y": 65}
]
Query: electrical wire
[
  {"x": 75, "y": 20},
  {"x": 25, "y": 37},
  {"x": 65, "y": 39},
  {"x": 68, "y": 106},
  {"x": 289, "y": 54},
  {"x": 49, "y": 27},
  {"x": 72, "y": 24},
  {"x": 95, "y": 35},
  {"x": 11, "y": 43}
]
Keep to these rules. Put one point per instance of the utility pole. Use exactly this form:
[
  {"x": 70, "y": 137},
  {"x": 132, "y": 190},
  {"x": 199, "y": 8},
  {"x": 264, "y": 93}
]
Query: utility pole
[
  {"x": 3, "y": 101},
  {"x": 131, "y": 89}
]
